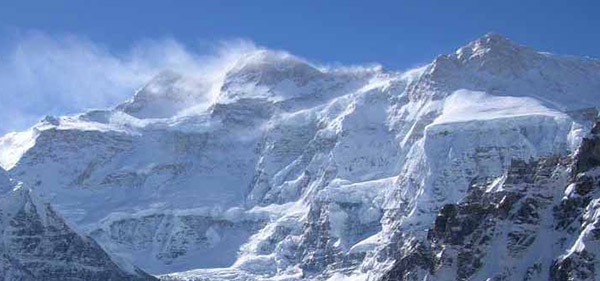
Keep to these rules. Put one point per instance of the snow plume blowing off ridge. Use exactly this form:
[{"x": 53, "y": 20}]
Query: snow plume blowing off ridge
[
  {"x": 48, "y": 74},
  {"x": 300, "y": 172}
]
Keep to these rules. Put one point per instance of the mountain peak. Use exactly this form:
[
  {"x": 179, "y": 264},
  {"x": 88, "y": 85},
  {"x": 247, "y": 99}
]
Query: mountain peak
[
  {"x": 492, "y": 53},
  {"x": 165, "y": 95},
  {"x": 492, "y": 45},
  {"x": 493, "y": 39},
  {"x": 268, "y": 66},
  {"x": 264, "y": 70},
  {"x": 268, "y": 59}
]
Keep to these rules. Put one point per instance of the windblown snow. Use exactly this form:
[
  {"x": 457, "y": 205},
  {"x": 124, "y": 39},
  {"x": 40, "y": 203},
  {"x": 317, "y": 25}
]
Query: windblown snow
[{"x": 291, "y": 171}]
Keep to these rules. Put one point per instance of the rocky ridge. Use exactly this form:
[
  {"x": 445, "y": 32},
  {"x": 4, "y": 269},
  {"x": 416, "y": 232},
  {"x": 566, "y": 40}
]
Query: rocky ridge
[{"x": 37, "y": 244}]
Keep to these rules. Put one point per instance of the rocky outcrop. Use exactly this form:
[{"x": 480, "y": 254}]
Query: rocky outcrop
[
  {"x": 536, "y": 222},
  {"x": 37, "y": 244}
]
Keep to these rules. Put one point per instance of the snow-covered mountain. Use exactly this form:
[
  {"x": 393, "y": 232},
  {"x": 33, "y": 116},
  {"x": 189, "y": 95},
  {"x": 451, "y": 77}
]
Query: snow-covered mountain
[{"x": 283, "y": 170}]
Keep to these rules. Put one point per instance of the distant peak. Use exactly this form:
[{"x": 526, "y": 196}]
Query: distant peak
[
  {"x": 494, "y": 37},
  {"x": 163, "y": 96},
  {"x": 493, "y": 47},
  {"x": 166, "y": 76},
  {"x": 492, "y": 41},
  {"x": 52, "y": 120},
  {"x": 267, "y": 67},
  {"x": 495, "y": 40},
  {"x": 264, "y": 55},
  {"x": 491, "y": 53},
  {"x": 269, "y": 60}
]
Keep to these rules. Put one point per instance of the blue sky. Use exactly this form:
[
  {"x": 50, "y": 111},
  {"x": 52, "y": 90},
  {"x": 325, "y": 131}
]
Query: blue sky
[{"x": 110, "y": 34}]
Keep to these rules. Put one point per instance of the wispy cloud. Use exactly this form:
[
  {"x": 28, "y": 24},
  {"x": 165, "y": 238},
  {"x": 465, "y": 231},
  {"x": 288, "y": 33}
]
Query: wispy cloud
[{"x": 43, "y": 74}]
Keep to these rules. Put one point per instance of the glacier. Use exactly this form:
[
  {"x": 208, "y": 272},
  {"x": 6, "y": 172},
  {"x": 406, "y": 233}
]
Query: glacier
[{"x": 286, "y": 170}]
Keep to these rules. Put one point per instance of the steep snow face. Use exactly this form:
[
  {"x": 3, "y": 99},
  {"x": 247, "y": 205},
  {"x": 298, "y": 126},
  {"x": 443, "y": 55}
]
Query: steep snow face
[
  {"x": 12, "y": 147},
  {"x": 498, "y": 66},
  {"x": 291, "y": 171}
]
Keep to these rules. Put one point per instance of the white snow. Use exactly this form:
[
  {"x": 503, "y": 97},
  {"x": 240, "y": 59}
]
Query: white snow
[
  {"x": 13, "y": 146},
  {"x": 464, "y": 105},
  {"x": 178, "y": 186}
]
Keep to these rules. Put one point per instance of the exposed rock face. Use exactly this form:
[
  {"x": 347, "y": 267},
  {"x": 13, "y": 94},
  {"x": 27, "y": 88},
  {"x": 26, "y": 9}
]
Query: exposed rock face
[
  {"x": 38, "y": 245},
  {"x": 456, "y": 170},
  {"x": 537, "y": 222}
]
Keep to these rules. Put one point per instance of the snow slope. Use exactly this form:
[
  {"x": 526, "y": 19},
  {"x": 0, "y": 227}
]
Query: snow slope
[
  {"x": 464, "y": 106},
  {"x": 293, "y": 171}
]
